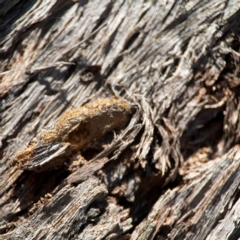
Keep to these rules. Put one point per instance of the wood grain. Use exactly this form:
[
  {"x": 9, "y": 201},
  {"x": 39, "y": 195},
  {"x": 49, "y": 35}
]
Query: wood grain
[{"x": 172, "y": 170}]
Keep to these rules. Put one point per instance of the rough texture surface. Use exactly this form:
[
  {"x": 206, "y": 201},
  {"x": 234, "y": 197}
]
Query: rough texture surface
[
  {"x": 76, "y": 130},
  {"x": 172, "y": 170}
]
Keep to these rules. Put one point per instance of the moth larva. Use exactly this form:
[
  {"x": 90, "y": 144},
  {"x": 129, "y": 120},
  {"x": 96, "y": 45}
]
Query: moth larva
[{"x": 75, "y": 130}]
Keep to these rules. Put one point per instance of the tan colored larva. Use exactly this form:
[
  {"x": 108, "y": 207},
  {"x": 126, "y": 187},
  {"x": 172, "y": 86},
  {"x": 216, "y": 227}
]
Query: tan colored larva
[{"x": 75, "y": 130}]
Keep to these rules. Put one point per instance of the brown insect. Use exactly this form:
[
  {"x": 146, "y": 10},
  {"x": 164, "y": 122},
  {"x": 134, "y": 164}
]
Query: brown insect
[{"x": 75, "y": 130}]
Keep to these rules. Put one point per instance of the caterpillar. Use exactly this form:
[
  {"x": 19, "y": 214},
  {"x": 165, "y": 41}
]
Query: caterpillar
[{"x": 74, "y": 131}]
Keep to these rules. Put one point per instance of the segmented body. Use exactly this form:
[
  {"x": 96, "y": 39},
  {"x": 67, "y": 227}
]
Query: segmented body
[{"x": 75, "y": 130}]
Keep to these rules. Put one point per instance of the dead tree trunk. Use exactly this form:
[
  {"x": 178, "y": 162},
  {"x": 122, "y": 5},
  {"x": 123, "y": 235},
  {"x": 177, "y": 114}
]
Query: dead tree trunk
[{"x": 153, "y": 153}]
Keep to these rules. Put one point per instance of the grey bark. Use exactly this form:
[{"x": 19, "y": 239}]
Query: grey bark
[{"x": 173, "y": 172}]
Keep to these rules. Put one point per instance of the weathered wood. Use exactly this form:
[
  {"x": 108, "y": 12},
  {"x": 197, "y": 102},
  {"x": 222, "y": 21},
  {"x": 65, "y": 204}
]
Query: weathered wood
[{"x": 173, "y": 171}]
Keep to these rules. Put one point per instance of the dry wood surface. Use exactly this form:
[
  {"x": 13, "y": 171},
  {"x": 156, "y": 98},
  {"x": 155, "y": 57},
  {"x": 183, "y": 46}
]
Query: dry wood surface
[{"x": 120, "y": 119}]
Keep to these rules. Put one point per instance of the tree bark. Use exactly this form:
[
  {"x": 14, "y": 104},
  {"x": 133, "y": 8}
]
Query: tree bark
[{"x": 155, "y": 88}]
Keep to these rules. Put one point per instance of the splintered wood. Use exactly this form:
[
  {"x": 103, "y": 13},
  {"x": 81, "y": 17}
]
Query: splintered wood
[{"x": 75, "y": 130}]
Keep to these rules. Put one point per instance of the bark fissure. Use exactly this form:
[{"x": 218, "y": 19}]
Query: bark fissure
[{"x": 168, "y": 168}]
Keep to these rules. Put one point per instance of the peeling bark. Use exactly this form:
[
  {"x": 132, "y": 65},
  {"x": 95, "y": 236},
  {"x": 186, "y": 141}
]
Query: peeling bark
[{"x": 171, "y": 171}]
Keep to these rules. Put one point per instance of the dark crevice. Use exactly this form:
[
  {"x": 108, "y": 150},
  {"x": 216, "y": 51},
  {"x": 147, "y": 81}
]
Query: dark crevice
[
  {"x": 108, "y": 45},
  {"x": 103, "y": 17},
  {"x": 113, "y": 66},
  {"x": 30, "y": 187},
  {"x": 205, "y": 131},
  {"x": 11, "y": 15},
  {"x": 131, "y": 40}
]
